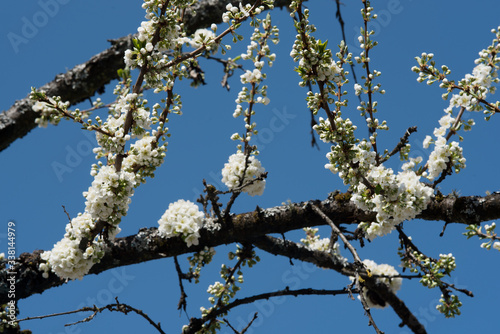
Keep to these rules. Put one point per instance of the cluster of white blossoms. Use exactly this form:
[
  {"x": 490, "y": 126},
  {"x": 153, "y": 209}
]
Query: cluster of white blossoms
[
  {"x": 475, "y": 87},
  {"x": 396, "y": 198},
  {"x": 109, "y": 195},
  {"x": 182, "y": 218},
  {"x": 169, "y": 33},
  {"x": 107, "y": 200},
  {"x": 443, "y": 154},
  {"x": 328, "y": 72},
  {"x": 114, "y": 140},
  {"x": 47, "y": 111},
  {"x": 234, "y": 13},
  {"x": 315, "y": 63},
  {"x": 313, "y": 242},
  {"x": 202, "y": 37},
  {"x": 481, "y": 78},
  {"x": 145, "y": 153},
  {"x": 251, "y": 76},
  {"x": 69, "y": 258},
  {"x": 388, "y": 272},
  {"x": 235, "y": 174}
]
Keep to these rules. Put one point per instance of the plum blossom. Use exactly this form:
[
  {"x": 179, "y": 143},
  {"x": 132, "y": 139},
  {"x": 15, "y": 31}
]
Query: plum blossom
[
  {"x": 386, "y": 270},
  {"x": 182, "y": 218},
  {"x": 251, "y": 76},
  {"x": 232, "y": 174},
  {"x": 202, "y": 37},
  {"x": 109, "y": 196},
  {"x": 68, "y": 259}
]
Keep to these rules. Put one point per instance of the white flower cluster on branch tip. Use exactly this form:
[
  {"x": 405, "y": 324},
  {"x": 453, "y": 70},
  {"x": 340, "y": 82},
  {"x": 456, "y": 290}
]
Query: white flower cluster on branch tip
[
  {"x": 234, "y": 13},
  {"x": 394, "y": 198},
  {"x": 48, "y": 111},
  {"x": 490, "y": 232},
  {"x": 184, "y": 219},
  {"x": 236, "y": 175},
  {"x": 203, "y": 37},
  {"x": 388, "y": 272}
]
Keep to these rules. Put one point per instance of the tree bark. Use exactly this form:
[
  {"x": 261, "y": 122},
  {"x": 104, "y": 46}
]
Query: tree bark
[
  {"x": 147, "y": 245},
  {"x": 84, "y": 80}
]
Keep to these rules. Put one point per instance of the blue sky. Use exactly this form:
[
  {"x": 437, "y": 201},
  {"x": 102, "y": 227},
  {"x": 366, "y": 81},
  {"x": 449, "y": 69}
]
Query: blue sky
[{"x": 70, "y": 32}]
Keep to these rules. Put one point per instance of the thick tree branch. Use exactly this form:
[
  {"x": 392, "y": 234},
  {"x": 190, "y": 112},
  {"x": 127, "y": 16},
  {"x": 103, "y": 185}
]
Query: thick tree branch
[
  {"x": 76, "y": 85},
  {"x": 147, "y": 245},
  {"x": 84, "y": 80},
  {"x": 322, "y": 259}
]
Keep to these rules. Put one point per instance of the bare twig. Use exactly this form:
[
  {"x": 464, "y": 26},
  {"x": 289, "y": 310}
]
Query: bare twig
[
  {"x": 182, "y": 300},
  {"x": 402, "y": 142},
  {"x": 116, "y": 307},
  {"x": 244, "y": 329},
  {"x": 195, "y": 324},
  {"x": 339, "y": 233},
  {"x": 357, "y": 261}
]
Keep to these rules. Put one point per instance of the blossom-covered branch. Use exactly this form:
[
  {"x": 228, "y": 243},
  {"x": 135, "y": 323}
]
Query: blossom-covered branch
[
  {"x": 148, "y": 245},
  {"x": 84, "y": 80}
]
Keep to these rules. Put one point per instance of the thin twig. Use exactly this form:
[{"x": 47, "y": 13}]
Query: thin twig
[
  {"x": 195, "y": 324},
  {"x": 339, "y": 233},
  {"x": 116, "y": 307},
  {"x": 182, "y": 300},
  {"x": 402, "y": 142},
  {"x": 244, "y": 329},
  {"x": 357, "y": 261}
]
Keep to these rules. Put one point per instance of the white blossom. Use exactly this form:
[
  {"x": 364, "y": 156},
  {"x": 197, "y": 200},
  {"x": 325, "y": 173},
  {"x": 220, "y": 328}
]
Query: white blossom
[
  {"x": 182, "y": 218},
  {"x": 202, "y": 37},
  {"x": 232, "y": 174},
  {"x": 482, "y": 75},
  {"x": 251, "y": 76},
  {"x": 109, "y": 196},
  {"x": 393, "y": 283}
]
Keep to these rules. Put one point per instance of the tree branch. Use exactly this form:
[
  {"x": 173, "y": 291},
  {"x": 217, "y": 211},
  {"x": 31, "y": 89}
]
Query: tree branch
[
  {"x": 195, "y": 323},
  {"x": 84, "y": 80},
  {"x": 147, "y": 245},
  {"x": 322, "y": 259}
]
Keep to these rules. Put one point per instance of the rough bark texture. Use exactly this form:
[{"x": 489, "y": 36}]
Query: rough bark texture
[
  {"x": 76, "y": 85},
  {"x": 84, "y": 80},
  {"x": 147, "y": 245}
]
